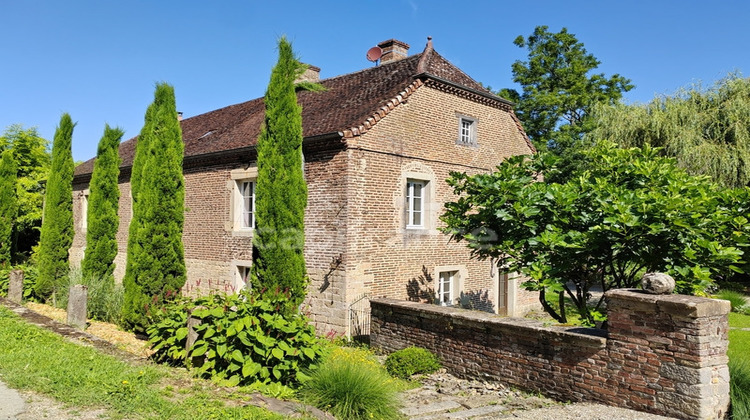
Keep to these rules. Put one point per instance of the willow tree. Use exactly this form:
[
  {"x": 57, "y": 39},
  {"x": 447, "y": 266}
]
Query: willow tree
[
  {"x": 279, "y": 263},
  {"x": 706, "y": 130},
  {"x": 8, "y": 206},
  {"x": 102, "y": 220},
  {"x": 155, "y": 269},
  {"x": 57, "y": 223}
]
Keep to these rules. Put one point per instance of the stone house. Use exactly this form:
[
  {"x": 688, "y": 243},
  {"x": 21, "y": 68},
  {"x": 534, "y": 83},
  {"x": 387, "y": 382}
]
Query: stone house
[{"x": 378, "y": 146}]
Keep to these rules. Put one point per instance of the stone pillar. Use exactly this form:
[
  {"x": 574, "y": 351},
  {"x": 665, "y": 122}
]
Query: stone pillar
[
  {"x": 677, "y": 345},
  {"x": 15, "y": 286},
  {"x": 77, "y": 302}
]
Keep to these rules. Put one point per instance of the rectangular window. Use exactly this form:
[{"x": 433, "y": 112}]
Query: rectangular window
[
  {"x": 467, "y": 131},
  {"x": 85, "y": 211},
  {"x": 446, "y": 288},
  {"x": 245, "y": 209},
  {"x": 242, "y": 278},
  {"x": 415, "y": 203}
]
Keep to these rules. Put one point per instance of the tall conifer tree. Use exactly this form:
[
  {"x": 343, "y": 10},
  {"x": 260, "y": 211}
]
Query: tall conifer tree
[
  {"x": 8, "y": 205},
  {"x": 104, "y": 198},
  {"x": 57, "y": 223},
  {"x": 156, "y": 264},
  {"x": 279, "y": 263}
]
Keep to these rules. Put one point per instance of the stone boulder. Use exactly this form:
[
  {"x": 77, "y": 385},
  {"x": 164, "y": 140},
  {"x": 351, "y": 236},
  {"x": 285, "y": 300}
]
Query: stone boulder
[{"x": 657, "y": 283}]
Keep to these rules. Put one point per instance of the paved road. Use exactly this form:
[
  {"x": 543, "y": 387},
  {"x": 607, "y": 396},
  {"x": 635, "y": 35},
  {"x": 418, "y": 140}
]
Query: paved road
[{"x": 11, "y": 403}]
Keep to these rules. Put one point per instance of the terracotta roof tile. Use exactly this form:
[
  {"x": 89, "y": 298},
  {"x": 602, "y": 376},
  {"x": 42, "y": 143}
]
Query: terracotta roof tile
[{"x": 348, "y": 101}]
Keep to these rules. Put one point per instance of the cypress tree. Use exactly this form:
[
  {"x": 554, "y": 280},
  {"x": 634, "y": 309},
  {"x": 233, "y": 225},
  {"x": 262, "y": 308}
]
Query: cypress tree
[
  {"x": 279, "y": 263},
  {"x": 57, "y": 223},
  {"x": 8, "y": 205},
  {"x": 156, "y": 263},
  {"x": 104, "y": 197}
]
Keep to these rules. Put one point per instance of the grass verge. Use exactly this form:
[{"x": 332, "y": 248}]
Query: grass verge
[
  {"x": 739, "y": 365},
  {"x": 35, "y": 359}
]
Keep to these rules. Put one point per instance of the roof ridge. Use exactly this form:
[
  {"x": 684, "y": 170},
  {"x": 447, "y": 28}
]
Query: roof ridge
[
  {"x": 426, "y": 55},
  {"x": 411, "y": 57}
]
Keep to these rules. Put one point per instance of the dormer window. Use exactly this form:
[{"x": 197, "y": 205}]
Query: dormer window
[{"x": 467, "y": 131}]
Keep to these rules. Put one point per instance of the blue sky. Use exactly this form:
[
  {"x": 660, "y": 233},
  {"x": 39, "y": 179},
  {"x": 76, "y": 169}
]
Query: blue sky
[{"x": 99, "y": 60}]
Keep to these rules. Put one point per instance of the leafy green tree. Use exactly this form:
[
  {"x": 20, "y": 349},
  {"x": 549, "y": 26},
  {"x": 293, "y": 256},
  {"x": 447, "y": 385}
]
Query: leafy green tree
[
  {"x": 559, "y": 88},
  {"x": 8, "y": 206},
  {"x": 103, "y": 222},
  {"x": 279, "y": 264},
  {"x": 155, "y": 271},
  {"x": 32, "y": 156},
  {"x": 706, "y": 130},
  {"x": 628, "y": 212},
  {"x": 57, "y": 226}
]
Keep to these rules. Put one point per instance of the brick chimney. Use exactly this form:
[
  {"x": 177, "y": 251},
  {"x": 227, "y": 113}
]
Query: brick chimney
[
  {"x": 311, "y": 74},
  {"x": 393, "y": 50}
]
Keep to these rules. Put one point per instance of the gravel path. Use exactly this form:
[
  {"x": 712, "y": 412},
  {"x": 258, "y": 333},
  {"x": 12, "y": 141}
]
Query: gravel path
[{"x": 443, "y": 396}]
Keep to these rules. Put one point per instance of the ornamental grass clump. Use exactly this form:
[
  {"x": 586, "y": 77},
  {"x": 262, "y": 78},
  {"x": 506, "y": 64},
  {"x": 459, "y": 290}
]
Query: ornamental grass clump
[
  {"x": 411, "y": 361},
  {"x": 739, "y": 373},
  {"x": 736, "y": 299},
  {"x": 352, "y": 385}
]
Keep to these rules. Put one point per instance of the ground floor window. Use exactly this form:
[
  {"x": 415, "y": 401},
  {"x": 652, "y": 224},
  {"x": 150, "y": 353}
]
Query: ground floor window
[
  {"x": 242, "y": 278},
  {"x": 446, "y": 292}
]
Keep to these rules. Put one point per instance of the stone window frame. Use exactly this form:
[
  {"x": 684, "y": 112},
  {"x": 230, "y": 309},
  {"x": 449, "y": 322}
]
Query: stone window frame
[
  {"x": 237, "y": 201},
  {"x": 473, "y": 124},
  {"x": 460, "y": 274},
  {"x": 412, "y": 173},
  {"x": 84, "y": 219}
]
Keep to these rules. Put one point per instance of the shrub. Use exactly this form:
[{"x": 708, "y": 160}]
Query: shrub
[
  {"x": 411, "y": 360},
  {"x": 739, "y": 372},
  {"x": 240, "y": 341},
  {"x": 736, "y": 299},
  {"x": 351, "y": 385}
]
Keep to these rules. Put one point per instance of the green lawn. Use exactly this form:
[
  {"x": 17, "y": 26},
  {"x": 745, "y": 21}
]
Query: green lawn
[
  {"x": 739, "y": 341},
  {"x": 36, "y": 359},
  {"x": 739, "y": 321}
]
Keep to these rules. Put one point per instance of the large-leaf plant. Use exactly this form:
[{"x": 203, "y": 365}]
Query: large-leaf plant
[{"x": 626, "y": 212}]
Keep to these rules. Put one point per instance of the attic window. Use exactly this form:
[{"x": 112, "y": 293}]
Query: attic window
[
  {"x": 467, "y": 131},
  {"x": 208, "y": 133}
]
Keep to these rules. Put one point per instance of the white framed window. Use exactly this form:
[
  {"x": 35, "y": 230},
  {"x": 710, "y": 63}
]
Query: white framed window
[
  {"x": 467, "y": 131},
  {"x": 447, "y": 288},
  {"x": 84, "y": 211},
  {"x": 415, "y": 203},
  {"x": 244, "y": 204}
]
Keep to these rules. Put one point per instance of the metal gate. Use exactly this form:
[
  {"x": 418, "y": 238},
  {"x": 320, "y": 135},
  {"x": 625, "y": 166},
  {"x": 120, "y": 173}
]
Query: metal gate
[{"x": 358, "y": 325}]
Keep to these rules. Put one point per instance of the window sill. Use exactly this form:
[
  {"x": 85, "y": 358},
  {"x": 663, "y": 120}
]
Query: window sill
[{"x": 243, "y": 232}]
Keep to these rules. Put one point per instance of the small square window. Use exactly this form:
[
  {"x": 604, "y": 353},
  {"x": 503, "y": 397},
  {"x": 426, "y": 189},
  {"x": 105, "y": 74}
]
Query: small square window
[
  {"x": 415, "y": 203},
  {"x": 467, "y": 131}
]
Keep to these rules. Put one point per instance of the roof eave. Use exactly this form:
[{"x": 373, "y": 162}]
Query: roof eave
[{"x": 427, "y": 75}]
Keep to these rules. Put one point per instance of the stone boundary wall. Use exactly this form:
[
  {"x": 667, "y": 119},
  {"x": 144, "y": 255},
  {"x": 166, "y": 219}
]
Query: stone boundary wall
[{"x": 662, "y": 354}]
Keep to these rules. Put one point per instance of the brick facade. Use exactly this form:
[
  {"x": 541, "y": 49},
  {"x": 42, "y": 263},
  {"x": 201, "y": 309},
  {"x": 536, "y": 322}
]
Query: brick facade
[
  {"x": 356, "y": 240},
  {"x": 663, "y": 354}
]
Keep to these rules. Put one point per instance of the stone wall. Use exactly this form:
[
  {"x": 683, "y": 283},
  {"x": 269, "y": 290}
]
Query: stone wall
[{"x": 663, "y": 354}]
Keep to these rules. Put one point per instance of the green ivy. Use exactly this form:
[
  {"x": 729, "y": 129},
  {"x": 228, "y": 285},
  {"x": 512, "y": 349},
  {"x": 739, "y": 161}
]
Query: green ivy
[{"x": 241, "y": 340}]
